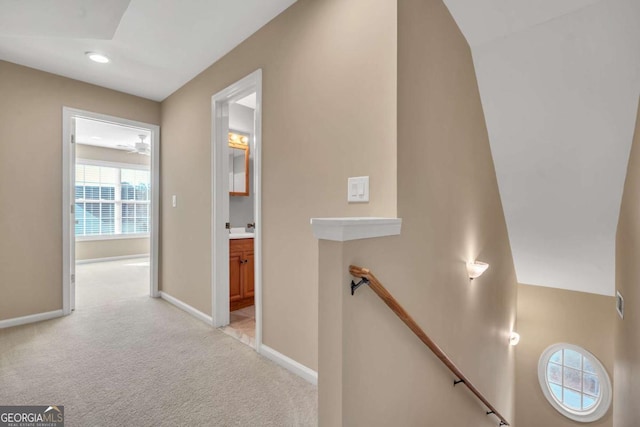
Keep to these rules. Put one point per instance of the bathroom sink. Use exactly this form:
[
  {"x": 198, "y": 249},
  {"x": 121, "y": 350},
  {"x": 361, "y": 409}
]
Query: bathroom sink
[
  {"x": 240, "y": 233},
  {"x": 244, "y": 235}
]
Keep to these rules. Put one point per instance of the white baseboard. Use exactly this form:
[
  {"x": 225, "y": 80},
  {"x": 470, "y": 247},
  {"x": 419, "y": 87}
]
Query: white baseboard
[
  {"x": 289, "y": 364},
  {"x": 286, "y": 362},
  {"x": 112, "y": 258},
  {"x": 32, "y": 318},
  {"x": 186, "y": 307}
]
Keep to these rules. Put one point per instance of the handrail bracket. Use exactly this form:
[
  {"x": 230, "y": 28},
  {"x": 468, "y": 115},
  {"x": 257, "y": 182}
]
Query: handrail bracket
[{"x": 354, "y": 285}]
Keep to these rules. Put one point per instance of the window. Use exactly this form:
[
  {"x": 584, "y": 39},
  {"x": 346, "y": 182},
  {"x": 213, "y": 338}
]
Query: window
[
  {"x": 135, "y": 196},
  {"x": 574, "y": 382},
  {"x": 111, "y": 200}
]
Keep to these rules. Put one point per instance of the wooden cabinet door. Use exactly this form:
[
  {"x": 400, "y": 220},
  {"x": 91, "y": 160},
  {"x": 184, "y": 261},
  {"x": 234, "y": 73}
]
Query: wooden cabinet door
[
  {"x": 248, "y": 274},
  {"x": 241, "y": 273},
  {"x": 235, "y": 276}
]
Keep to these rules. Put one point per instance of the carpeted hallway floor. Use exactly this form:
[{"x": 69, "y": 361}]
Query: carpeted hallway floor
[{"x": 124, "y": 359}]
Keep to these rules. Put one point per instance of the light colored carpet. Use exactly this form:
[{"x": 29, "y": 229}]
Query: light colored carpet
[
  {"x": 107, "y": 283},
  {"x": 138, "y": 361}
]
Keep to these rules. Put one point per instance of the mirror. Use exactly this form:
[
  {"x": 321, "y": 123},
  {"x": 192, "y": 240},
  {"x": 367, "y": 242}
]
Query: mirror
[{"x": 238, "y": 163}]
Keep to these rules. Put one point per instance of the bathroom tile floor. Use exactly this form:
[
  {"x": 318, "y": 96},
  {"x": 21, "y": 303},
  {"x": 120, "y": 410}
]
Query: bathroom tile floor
[{"x": 242, "y": 325}]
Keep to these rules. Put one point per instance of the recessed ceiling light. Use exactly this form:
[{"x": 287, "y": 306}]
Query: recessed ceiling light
[
  {"x": 96, "y": 57},
  {"x": 95, "y": 137}
]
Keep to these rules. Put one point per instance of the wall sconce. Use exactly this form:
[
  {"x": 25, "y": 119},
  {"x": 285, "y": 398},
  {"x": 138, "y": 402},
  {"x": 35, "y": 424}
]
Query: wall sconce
[
  {"x": 514, "y": 338},
  {"x": 476, "y": 268}
]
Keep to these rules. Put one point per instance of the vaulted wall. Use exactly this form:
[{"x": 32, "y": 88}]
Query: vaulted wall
[
  {"x": 373, "y": 371},
  {"x": 626, "y": 393}
]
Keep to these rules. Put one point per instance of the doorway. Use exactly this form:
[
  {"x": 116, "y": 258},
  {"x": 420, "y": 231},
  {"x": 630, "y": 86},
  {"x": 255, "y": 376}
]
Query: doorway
[
  {"x": 236, "y": 210},
  {"x": 110, "y": 209}
]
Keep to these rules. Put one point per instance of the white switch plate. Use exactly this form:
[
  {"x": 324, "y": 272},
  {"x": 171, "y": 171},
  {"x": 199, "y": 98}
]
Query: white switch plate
[
  {"x": 358, "y": 189},
  {"x": 174, "y": 200}
]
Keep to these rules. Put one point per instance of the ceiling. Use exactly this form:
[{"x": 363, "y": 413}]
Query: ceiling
[
  {"x": 559, "y": 82},
  {"x": 155, "y": 46},
  {"x": 248, "y": 101},
  {"x": 108, "y": 135}
]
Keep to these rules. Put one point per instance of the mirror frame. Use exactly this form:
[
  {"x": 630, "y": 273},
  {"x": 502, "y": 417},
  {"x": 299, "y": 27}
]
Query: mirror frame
[{"x": 246, "y": 164}]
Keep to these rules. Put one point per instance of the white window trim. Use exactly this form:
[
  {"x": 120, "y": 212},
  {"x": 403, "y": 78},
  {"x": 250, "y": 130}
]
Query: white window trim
[
  {"x": 112, "y": 236},
  {"x": 604, "y": 401}
]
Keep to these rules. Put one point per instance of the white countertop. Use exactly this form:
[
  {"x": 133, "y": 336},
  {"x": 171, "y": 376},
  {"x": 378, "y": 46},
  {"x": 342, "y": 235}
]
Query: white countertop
[{"x": 245, "y": 235}]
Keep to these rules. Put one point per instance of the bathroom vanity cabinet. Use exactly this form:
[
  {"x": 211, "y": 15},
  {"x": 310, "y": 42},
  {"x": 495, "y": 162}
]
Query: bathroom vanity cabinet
[{"x": 241, "y": 273}]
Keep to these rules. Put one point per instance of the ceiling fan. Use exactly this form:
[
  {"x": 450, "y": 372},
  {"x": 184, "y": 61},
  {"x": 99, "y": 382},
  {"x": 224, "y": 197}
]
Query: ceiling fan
[{"x": 140, "y": 147}]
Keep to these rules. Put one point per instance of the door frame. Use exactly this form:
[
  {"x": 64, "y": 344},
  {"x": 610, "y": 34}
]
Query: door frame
[
  {"x": 68, "y": 173},
  {"x": 220, "y": 199}
]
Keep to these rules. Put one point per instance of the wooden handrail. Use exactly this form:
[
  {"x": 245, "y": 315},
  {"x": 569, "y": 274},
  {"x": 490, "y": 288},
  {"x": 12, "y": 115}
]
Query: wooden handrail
[{"x": 395, "y": 306}]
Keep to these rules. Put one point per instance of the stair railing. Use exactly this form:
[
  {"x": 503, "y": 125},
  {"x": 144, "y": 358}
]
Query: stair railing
[{"x": 369, "y": 279}]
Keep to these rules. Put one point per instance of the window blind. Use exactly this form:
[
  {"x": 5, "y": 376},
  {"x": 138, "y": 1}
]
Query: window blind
[{"x": 111, "y": 200}]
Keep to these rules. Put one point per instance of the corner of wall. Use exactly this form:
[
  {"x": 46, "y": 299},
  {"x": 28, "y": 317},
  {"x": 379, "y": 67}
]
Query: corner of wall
[{"x": 626, "y": 371}]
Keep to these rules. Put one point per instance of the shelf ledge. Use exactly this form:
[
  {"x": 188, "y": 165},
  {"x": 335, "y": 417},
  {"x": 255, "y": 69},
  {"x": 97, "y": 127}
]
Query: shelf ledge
[{"x": 354, "y": 228}]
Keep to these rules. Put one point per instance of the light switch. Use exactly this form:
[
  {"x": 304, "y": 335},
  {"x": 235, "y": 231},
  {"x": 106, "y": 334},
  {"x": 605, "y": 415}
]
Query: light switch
[
  {"x": 174, "y": 200},
  {"x": 358, "y": 189},
  {"x": 354, "y": 189}
]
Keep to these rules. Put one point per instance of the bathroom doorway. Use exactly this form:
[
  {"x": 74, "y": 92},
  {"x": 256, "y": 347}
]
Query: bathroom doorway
[{"x": 236, "y": 222}]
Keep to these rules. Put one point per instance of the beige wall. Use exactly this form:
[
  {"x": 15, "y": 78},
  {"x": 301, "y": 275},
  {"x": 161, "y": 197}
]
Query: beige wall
[
  {"x": 31, "y": 104},
  {"x": 373, "y": 371},
  {"x": 449, "y": 200},
  {"x": 329, "y": 91},
  {"x": 107, "y": 248},
  {"x": 627, "y": 341},
  {"x": 549, "y": 316}
]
